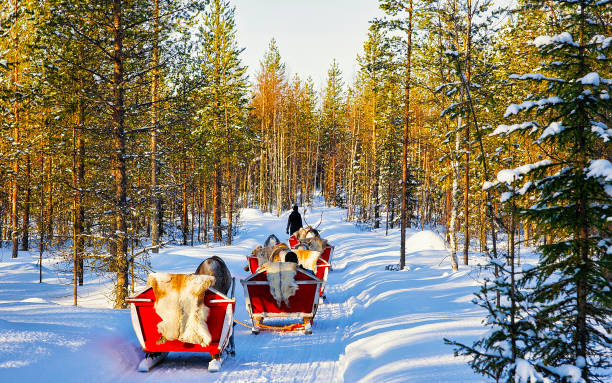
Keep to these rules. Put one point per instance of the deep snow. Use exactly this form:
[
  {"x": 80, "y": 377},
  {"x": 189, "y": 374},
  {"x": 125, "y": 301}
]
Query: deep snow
[{"x": 375, "y": 326}]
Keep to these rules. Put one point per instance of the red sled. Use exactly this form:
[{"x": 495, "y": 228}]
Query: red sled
[
  {"x": 253, "y": 263},
  {"x": 322, "y": 270},
  {"x": 293, "y": 241},
  {"x": 302, "y": 305},
  {"x": 220, "y": 325}
]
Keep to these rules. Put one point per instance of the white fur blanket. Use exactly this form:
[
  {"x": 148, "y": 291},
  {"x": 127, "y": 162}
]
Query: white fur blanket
[
  {"x": 179, "y": 301},
  {"x": 281, "y": 277}
]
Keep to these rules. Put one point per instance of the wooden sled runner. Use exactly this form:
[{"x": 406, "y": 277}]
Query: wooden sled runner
[
  {"x": 302, "y": 305},
  {"x": 220, "y": 325}
]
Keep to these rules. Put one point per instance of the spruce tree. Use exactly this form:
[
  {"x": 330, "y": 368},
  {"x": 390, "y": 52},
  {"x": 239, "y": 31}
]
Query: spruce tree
[{"x": 567, "y": 300}]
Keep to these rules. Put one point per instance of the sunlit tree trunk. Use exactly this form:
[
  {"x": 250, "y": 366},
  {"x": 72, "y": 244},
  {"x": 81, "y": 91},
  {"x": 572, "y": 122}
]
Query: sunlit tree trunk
[
  {"x": 217, "y": 236},
  {"x": 155, "y": 201},
  {"x": 407, "y": 124},
  {"x": 118, "y": 136},
  {"x": 25, "y": 230},
  {"x": 16, "y": 142}
]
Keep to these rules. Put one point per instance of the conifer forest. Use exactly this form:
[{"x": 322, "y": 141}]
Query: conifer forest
[{"x": 131, "y": 125}]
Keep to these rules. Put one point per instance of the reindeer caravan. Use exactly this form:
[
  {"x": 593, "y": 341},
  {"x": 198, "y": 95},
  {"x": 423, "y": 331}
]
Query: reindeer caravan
[
  {"x": 186, "y": 313},
  {"x": 195, "y": 312},
  {"x": 287, "y": 282}
]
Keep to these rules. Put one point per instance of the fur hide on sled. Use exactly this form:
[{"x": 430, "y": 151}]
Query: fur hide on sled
[
  {"x": 308, "y": 258},
  {"x": 281, "y": 277},
  {"x": 179, "y": 301}
]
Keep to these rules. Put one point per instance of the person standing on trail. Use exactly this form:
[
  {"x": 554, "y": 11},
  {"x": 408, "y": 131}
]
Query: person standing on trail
[{"x": 294, "y": 223}]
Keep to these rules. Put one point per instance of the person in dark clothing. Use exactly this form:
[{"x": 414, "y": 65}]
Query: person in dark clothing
[{"x": 294, "y": 223}]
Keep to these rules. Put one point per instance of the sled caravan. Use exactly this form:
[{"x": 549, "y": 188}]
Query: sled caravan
[{"x": 195, "y": 312}]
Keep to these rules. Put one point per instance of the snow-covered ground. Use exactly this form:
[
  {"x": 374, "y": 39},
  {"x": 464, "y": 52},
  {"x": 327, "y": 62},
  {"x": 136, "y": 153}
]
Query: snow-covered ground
[{"x": 375, "y": 326}]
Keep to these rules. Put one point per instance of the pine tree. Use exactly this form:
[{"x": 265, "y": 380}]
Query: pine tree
[
  {"x": 223, "y": 115},
  {"x": 402, "y": 20},
  {"x": 267, "y": 98},
  {"x": 372, "y": 63},
  {"x": 567, "y": 302},
  {"x": 333, "y": 123}
]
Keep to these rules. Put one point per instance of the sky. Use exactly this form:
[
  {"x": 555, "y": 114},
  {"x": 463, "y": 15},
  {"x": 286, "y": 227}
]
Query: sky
[{"x": 309, "y": 34}]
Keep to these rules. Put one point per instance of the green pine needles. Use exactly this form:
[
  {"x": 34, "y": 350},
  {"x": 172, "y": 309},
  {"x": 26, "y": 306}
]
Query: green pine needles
[{"x": 553, "y": 322}]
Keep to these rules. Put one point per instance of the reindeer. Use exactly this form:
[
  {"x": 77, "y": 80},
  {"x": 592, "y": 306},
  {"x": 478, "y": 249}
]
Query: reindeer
[{"x": 217, "y": 268}]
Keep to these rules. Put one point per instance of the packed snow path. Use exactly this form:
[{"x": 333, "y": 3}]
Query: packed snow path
[{"x": 375, "y": 326}]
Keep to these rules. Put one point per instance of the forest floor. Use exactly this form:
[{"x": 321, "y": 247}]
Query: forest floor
[{"x": 375, "y": 325}]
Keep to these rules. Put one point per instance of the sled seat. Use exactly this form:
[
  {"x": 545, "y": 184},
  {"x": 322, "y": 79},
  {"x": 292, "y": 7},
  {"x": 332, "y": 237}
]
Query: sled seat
[{"x": 322, "y": 270}]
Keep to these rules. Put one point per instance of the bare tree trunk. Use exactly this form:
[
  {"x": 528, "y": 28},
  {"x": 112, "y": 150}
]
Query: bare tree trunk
[
  {"x": 15, "y": 190},
  {"x": 50, "y": 192},
  {"x": 351, "y": 188},
  {"x": 41, "y": 222},
  {"x": 155, "y": 202},
  {"x": 16, "y": 142},
  {"x": 279, "y": 167},
  {"x": 376, "y": 170},
  {"x": 332, "y": 144},
  {"x": 316, "y": 167},
  {"x": 388, "y": 208},
  {"x": 217, "y": 235},
  {"x": 193, "y": 213},
  {"x": 466, "y": 199},
  {"x": 229, "y": 179},
  {"x": 452, "y": 227},
  {"x": 205, "y": 213},
  {"x": 262, "y": 163},
  {"x": 403, "y": 220},
  {"x": 466, "y": 217},
  {"x": 230, "y": 205},
  {"x": 184, "y": 210},
  {"x": 118, "y": 134},
  {"x": 199, "y": 208},
  {"x": 25, "y": 235},
  {"x": 78, "y": 176}
]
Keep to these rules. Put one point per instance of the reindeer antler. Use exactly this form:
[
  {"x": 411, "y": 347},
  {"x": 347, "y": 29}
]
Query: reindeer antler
[{"x": 320, "y": 221}]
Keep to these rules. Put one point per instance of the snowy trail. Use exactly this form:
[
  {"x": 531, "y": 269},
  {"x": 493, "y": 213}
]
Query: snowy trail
[{"x": 375, "y": 325}]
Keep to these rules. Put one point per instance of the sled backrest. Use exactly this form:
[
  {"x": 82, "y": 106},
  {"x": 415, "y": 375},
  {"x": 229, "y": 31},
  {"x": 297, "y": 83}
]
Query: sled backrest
[{"x": 258, "y": 296}]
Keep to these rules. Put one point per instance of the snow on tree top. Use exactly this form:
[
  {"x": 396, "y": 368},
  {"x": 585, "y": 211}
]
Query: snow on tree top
[
  {"x": 527, "y": 105},
  {"x": 601, "y": 39},
  {"x": 534, "y": 76},
  {"x": 562, "y": 38},
  {"x": 552, "y": 129},
  {"x": 507, "y": 129},
  {"x": 591, "y": 79},
  {"x": 601, "y": 130},
  {"x": 508, "y": 176},
  {"x": 600, "y": 168}
]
